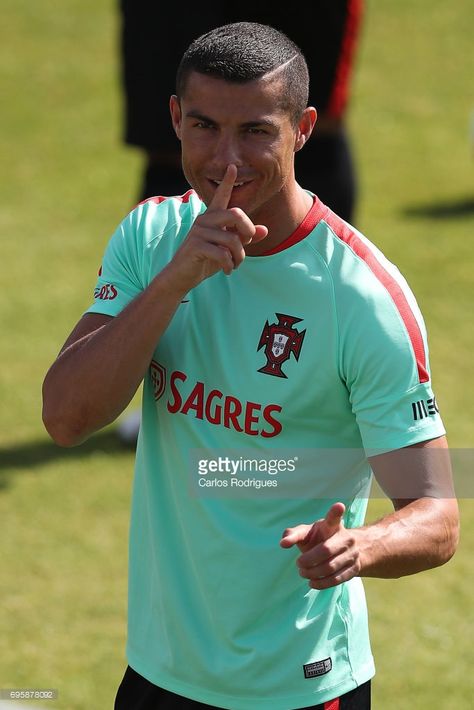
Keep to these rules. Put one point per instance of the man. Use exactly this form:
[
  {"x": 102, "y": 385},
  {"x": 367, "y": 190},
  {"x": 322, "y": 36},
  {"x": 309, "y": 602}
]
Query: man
[{"x": 263, "y": 323}]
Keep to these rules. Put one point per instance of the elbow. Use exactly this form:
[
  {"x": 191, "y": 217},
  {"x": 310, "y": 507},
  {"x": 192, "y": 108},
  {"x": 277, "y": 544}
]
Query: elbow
[
  {"x": 61, "y": 433},
  {"x": 64, "y": 430},
  {"x": 64, "y": 439},
  {"x": 453, "y": 541},
  {"x": 450, "y": 532}
]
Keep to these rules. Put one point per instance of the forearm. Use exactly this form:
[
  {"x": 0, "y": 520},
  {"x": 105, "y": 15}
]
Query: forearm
[
  {"x": 418, "y": 536},
  {"x": 94, "y": 379}
]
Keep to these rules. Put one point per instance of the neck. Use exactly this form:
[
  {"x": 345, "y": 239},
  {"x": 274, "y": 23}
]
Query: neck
[{"x": 281, "y": 219}]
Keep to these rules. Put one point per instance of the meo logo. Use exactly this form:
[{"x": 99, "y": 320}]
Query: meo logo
[{"x": 424, "y": 408}]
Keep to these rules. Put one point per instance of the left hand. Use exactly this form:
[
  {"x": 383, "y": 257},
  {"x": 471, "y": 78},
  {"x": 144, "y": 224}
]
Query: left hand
[{"x": 330, "y": 553}]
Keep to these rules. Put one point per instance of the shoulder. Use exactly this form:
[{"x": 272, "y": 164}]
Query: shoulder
[
  {"x": 158, "y": 216},
  {"x": 186, "y": 201},
  {"x": 346, "y": 250},
  {"x": 359, "y": 269},
  {"x": 150, "y": 234},
  {"x": 375, "y": 304}
]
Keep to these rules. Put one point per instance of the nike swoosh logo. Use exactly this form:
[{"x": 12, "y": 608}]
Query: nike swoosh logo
[{"x": 186, "y": 300}]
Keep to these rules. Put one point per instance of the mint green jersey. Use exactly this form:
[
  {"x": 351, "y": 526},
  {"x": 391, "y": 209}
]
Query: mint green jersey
[{"x": 316, "y": 347}]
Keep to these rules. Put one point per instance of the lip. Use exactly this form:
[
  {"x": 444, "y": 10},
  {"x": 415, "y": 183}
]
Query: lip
[{"x": 238, "y": 185}]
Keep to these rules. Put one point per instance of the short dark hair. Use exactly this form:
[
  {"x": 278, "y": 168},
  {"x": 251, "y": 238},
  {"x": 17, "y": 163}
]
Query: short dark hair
[{"x": 245, "y": 51}]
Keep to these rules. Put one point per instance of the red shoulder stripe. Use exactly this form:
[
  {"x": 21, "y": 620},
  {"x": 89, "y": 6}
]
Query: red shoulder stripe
[
  {"x": 345, "y": 233},
  {"x": 159, "y": 199}
]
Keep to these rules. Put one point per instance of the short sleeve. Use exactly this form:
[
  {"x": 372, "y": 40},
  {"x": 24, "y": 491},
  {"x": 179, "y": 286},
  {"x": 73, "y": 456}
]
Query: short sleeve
[
  {"x": 142, "y": 245},
  {"x": 119, "y": 280},
  {"x": 384, "y": 361}
]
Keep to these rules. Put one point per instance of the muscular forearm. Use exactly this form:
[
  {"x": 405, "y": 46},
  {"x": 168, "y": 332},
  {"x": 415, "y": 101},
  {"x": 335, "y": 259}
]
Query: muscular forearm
[
  {"x": 420, "y": 535},
  {"x": 94, "y": 379}
]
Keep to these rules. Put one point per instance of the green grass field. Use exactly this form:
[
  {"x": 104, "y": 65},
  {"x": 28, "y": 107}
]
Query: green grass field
[{"x": 66, "y": 182}]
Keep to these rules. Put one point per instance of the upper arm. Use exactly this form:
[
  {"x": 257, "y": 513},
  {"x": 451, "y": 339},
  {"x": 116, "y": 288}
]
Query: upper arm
[
  {"x": 418, "y": 479},
  {"x": 413, "y": 472},
  {"x": 60, "y": 385}
]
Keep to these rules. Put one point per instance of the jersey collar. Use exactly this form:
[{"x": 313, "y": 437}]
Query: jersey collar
[{"x": 315, "y": 214}]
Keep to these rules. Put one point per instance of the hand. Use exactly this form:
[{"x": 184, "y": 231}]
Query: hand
[
  {"x": 216, "y": 240},
  {"x": 330, "y": 554}
]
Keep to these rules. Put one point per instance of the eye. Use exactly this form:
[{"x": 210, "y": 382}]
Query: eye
[
  {"x": 203, "y": 125},
  {"x": 256, "y": 131}
]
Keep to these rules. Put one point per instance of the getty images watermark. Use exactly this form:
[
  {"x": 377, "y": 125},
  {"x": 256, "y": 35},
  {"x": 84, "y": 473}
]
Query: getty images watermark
[
  {"x": 243, "y": 472},
  {"x": 282, "y": 473},
  {"x": 329, "y": 473}
]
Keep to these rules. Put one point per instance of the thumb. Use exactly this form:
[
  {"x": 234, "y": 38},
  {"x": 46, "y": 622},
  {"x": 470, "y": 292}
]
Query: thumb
[
  {"x": 333, "y": 518},
  {"x": 325, "y": 528}
]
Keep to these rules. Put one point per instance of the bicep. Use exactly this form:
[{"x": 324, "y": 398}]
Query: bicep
[{"x": 422, "y": 470}]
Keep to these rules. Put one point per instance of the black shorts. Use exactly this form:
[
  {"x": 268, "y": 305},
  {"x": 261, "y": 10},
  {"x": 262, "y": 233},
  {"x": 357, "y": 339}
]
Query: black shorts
[{"x": 137, "y": 693}]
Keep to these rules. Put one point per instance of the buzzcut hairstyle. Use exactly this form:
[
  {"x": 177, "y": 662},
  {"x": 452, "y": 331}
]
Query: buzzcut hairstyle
[{"x": 245, "y": 51}]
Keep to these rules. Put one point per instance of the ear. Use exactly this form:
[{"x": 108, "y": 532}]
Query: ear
[
  {"x": 305, "y": 127},
  {"x": 175, "y": 110}
]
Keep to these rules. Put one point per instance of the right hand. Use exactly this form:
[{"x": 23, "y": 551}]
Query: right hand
[
  {"x": 216, "y": 240},
  {"x": 331, "y": 553}
]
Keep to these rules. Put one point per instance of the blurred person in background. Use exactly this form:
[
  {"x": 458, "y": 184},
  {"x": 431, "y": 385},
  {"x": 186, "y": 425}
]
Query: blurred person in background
[{"x": 154, "y": 36}]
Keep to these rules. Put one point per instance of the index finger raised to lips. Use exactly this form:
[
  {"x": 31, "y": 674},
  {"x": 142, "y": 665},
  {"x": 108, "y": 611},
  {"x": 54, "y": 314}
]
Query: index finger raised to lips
[{"x": 222, "y": 195}]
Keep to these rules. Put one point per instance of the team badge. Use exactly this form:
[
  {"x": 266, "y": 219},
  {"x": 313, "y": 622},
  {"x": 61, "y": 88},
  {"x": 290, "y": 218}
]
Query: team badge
[
  {"x": 280, "y": 340},
  {"x": 158, "y": 379}
]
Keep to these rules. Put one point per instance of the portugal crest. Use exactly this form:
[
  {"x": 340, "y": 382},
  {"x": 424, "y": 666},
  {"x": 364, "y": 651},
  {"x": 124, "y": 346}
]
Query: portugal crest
[
  {"x": 158, "y": 379},
  {"x": 280, "y": 340}
]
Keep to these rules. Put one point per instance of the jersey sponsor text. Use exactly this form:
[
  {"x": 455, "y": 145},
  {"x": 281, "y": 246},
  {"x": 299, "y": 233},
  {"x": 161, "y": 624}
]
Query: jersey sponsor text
[
  {"x": 107, "y": 292},
  {"x": 424, "y": 408},
  {"x": 212, "y": 405}
]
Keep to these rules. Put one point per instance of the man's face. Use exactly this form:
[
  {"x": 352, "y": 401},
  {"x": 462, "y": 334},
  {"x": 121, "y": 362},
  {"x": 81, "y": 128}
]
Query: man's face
[{"x": 219, "y": 123}]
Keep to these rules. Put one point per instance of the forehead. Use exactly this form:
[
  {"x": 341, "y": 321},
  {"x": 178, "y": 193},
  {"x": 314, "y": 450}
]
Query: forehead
[{"x": 218, "y": 98}]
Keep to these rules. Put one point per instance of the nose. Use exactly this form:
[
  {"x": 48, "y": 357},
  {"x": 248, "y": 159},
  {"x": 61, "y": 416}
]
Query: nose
[{"x": 227, "y": 150}]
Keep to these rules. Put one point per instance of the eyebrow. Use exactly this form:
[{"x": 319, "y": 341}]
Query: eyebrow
[
  {"x": 198, "y": 116},
  {"x": 248, "y": 124}
]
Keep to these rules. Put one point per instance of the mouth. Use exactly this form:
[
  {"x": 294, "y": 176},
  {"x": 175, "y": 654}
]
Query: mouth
[{"x": 236, "y": 186}]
